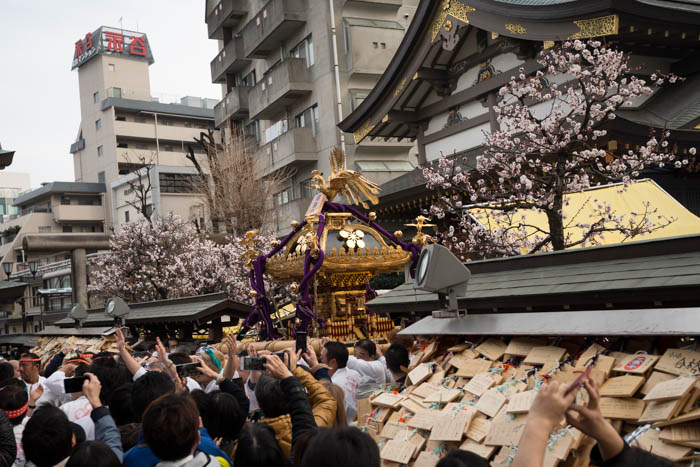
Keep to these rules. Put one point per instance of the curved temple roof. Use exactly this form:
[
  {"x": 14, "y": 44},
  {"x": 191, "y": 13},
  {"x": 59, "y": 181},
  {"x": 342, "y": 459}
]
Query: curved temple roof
[{"x": 421, "y": 63}]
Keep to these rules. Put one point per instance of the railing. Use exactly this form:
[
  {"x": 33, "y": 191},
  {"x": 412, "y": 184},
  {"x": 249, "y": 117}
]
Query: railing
[{"x": 47, "y": 268}]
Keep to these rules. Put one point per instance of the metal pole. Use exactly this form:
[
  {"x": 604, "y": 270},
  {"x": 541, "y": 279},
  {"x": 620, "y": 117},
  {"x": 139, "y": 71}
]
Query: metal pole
[
  {"x": 79, "y": 276},
  {"x": 337, "y": 75},
  {"x": 155, "y": 115}
]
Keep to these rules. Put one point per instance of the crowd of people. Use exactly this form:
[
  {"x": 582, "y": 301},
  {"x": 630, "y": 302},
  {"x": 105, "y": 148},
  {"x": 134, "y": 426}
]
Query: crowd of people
[{"x": 137, "y": 409}]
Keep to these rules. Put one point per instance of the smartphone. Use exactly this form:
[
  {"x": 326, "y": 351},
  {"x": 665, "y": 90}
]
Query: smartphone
[
  {"x": 301, "y": 341},
  {"x": 186, "y": 370},
  {"x": 579, "y": 381},
  {"x": 72, "y": 385},
  {"x": 253, "y": 363}
]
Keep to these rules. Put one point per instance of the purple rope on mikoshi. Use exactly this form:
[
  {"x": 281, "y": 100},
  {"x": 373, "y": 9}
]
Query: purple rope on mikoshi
[
  {"x": 262, "y": 309},
  {"x": 370, "y": 293},
  {"x": 407, "y": 246},
  {"x": 304, "y": 310}
]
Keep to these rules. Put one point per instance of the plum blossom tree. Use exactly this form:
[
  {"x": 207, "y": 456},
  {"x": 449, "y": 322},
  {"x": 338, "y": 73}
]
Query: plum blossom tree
[
  {"x": 551, "y": 142},
  {"x": 167, "y": 258}
]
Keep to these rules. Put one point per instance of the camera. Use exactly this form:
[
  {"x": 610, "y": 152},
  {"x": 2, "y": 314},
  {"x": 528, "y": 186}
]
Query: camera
[{"x": 438, "y": 270}]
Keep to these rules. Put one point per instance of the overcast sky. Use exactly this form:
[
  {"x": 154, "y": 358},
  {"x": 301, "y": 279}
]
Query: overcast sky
[{"x": 39, "y": 101}]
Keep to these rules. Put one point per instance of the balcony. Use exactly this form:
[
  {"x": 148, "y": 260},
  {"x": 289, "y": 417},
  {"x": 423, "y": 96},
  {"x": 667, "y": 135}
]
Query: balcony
[
  {"x": 296, "y": 147},
  {"x": 272, "y": 25},
  {"x": 233, "y": 107},
  {"x": 147, "y": 132},
  {"x": 385, "y": 3},
  {"x": 226, "y": 14},
  {"x": 229, "y": 60},
  {"x": 286, "y": 83},
  {"x": 76, "y": 213},
  {"x": 133, "y": 156}
]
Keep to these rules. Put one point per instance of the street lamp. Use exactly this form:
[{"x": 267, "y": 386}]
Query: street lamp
[
  {"x": 7, "y": 267},
  {"x": 33, "y": 266}
]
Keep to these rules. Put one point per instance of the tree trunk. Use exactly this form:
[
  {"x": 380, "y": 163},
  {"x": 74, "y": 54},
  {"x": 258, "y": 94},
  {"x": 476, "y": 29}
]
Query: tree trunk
[{"x": 556, "y": 223}]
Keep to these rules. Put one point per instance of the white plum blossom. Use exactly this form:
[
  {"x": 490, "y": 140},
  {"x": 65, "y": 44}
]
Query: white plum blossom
[
  {"x": 169, "y": 259},
  {"x": 535, "y": 158}
]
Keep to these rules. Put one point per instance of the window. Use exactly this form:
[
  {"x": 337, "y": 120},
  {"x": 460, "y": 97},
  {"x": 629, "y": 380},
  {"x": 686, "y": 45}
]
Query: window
[
  {"x": 253, "y": 129},
  {"x": 306, "y": 188},
  {"x": 67, "y": 228},
  {"x": 126, "y": 216},
  {"x": 117, "y": 92},
  {"x": 98, "y": 124},
  {"x": 178, "y": 183},
  {"x": 357, "y": 97},
  {"x": 100, "y": 151},
  {"x": 309, "y": 119},
  {"x": 100, "y": 177},
  {"x": 45, "y": 229},
  {"x": 111, "y": 67},
  {"x": 149, "y": 209},
  {"x": 95, "y": 97},
  {"x": 249, "y": 79},
  {"x": 282, "y": 197},
  {"x": 305, "y": 49},
  {"x": 65, "y": 201}
]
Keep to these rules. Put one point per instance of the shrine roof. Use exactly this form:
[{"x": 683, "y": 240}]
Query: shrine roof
[
  {"x": 422, "y": 64},
  {"x": 640, "y": 274}
]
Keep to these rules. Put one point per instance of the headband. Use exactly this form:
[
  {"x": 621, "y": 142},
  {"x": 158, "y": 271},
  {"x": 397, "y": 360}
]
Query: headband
[
  {"x": 214, "y": 360},
  {"x": 29, "y": 360},
  {"x": 17, "y": 412},
  {"x": 103, "y": 357},
  {"x": 79, "y": 360}
]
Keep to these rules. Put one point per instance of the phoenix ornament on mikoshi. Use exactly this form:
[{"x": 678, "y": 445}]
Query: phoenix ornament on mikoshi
[{"x": 347, "y": 182}]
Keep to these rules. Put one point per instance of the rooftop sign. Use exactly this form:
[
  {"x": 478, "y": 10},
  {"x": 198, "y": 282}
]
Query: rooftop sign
[{"x": 111, "y": 41}]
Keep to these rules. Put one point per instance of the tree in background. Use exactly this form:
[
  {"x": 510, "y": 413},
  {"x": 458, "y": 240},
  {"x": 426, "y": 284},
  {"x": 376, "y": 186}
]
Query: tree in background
[
  {"x": 166, "y": 258},
  {"x": 551, "y": 142},
  {"x": 237, "y": 198}
]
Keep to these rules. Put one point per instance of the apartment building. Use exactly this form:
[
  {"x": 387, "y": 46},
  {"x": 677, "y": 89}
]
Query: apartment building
[
  {"x": 125, "y": 128},
  {"x": 290, "y": 70},
  {"x": 58, "y": 207},
  {"x": 12, "y": 184}
]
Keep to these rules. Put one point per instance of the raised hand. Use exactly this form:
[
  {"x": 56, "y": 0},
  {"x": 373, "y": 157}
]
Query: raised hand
[
  {"x": 310, "y": 356},
  {"x": 276, "y": 367},
  {"x": 91, "y": 389}
]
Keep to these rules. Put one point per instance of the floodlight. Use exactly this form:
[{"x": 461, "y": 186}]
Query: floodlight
[
  {"x": 79, "y": 314},
  {"x": 438, "y": 270},
  {"x": 117, "y": 308}
]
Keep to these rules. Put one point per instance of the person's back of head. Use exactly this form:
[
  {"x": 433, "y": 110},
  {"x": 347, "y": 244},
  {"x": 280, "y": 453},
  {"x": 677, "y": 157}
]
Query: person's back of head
[
  {"x": 271, "y": 399},
  {"x": 257, "y": 447},
  {"x": 225, "y": 420},
  {"x": 337, "y": 351},
  {"x": 368, "y": 346},
  {"x": 171, "y": 426},
  {"x": 111, "y": 377},
  {"x": 79, "y": 435},
  {"x": 14, "y": 401},
  {"x": 148, "y": 388},
  {"x": 104, "y": 359},
  {"x": 179, "y": 358},
  {"x": 341, "y": 447},
  {"x": 462, "y": 458},
  {"x": 93, "y": 454},
  {"x": 48, "y": 438},
  {"x": 396, "y": 358},
  {"x": 7, "y": 371},
  {"x": 403, "y": 340},
  {"x": 129, "y": 434},
  {"x": 121, "y": 407}
]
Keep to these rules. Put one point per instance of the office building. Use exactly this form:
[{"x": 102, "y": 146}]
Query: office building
[
  {"x": 125, "y": 128},
  {"x": 290, "y": 70}
]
